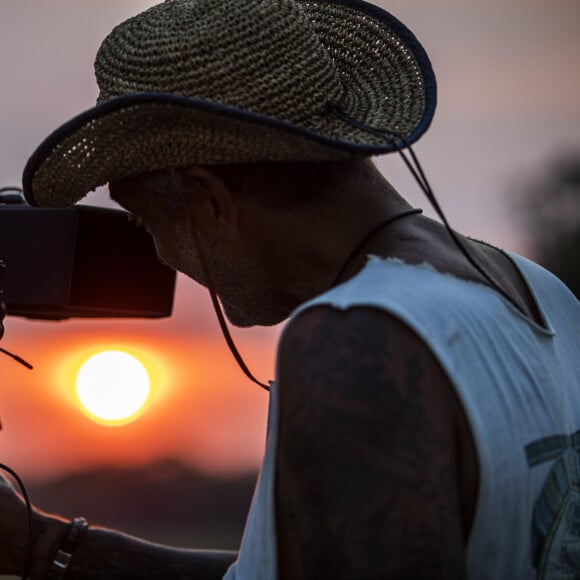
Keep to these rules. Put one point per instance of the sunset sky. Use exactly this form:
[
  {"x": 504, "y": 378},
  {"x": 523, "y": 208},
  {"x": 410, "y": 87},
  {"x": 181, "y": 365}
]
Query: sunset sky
[{"x": 509, "y": 102}]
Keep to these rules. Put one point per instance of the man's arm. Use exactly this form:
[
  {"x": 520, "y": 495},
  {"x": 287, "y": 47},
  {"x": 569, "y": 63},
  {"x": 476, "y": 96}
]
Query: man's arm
[
  {"x": 101, "y": 553},
  {"x": 106, "y": 554},
  {"x": 366, "y": 480}
]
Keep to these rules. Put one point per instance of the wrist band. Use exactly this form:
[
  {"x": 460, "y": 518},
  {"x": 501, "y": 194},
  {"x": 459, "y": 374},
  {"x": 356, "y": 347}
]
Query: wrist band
[{"x": 61, "y": 561}]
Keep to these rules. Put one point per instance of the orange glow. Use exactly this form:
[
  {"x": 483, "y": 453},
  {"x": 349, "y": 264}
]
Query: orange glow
[
  {"x": 201, "y": 409},
  {"x": 113, "y": 388},
  {"x": 70, "y": 365}
]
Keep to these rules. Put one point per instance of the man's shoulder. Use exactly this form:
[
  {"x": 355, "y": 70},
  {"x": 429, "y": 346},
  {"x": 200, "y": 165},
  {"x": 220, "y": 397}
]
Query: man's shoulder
[
  {"x": 346, "y": 346},
  {"x": 391, "y": 283},
  {"x": 413, "y": 300},
  {"x": 326, "y": 324}
]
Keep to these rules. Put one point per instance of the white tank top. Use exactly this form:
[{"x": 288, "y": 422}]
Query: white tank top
[{"x": 519, "y": 384}]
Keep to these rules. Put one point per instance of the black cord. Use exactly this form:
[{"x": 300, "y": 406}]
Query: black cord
[
  {"x": 368, "y": 237},
  {"x": 419, "y": 175},
  {"x": 16, "y": 358},
  {"x": 229, "y": 339},
  {"x": 456, "y": 239},
  {"x": 213, "y": 294},
  {"x": 3, "y": 311},
  {"x": 30, "y": 518}
]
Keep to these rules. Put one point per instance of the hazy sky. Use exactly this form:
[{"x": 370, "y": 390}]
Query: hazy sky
[
  {"x": 509, "y": 91},
  {"x": 509, "y": 101}
]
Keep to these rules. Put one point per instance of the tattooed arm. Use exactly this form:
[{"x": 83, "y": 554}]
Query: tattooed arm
[{"x": 367, "y": 471}]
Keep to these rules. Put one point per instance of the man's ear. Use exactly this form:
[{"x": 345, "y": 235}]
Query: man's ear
[{"x": 212, "y": 202}]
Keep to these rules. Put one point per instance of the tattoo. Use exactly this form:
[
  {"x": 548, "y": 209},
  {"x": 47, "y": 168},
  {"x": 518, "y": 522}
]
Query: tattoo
[{"x": 366, "y": 481}]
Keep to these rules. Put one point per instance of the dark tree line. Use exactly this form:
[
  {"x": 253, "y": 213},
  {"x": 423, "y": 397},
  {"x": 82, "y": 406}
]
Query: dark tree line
[{"x": 551, "y": 206}]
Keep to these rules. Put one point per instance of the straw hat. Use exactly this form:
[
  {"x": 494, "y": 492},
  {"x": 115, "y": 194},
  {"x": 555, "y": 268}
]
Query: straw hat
[{"x": 239, "y": 81}]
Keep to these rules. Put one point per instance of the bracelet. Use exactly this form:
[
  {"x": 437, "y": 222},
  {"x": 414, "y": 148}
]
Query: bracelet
[{"x": 63, "y": 556}]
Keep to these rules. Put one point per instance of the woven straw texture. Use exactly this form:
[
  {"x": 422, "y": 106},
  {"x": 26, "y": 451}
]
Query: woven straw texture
[{"x": 254, "y": 81}]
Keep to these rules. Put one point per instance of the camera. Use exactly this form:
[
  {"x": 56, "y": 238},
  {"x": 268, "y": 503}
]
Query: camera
[{"x": 79, "y": 262}]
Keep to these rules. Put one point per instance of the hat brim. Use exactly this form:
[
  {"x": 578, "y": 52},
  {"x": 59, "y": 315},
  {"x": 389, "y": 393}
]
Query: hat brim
[{"x": 141, "y": 132}]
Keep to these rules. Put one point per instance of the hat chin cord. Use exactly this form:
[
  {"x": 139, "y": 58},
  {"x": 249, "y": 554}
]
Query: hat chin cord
[
  {"x": 416, "y": 170},
  {"x": 206, "y": 271},
  {"x": 418, "y": 173}
]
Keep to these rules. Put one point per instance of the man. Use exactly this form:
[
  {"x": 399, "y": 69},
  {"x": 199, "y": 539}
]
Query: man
[{"x": 425, "y": 419}]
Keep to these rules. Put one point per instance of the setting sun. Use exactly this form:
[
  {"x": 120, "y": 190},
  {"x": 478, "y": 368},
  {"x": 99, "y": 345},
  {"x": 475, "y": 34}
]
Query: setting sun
[{"x": 112, "y": 387}]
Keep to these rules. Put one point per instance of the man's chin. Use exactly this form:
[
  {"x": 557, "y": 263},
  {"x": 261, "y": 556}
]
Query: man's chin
[{"x": 241, "y": 319}]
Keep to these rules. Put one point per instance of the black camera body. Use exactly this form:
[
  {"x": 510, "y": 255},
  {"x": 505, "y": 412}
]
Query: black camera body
[{"x": 81, "y": 262}]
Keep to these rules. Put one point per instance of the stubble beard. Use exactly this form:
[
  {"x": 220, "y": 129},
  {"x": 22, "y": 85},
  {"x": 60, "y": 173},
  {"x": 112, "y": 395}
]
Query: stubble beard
[{"x": 241, "y": 288}]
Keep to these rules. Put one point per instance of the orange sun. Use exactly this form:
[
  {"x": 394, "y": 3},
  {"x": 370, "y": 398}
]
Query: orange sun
[{"x": 113, "y": 388}]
